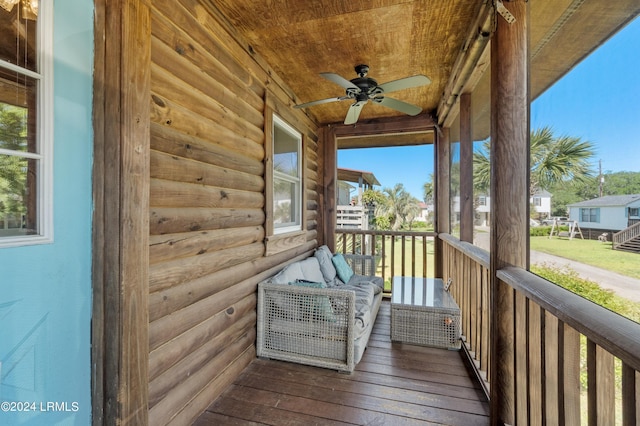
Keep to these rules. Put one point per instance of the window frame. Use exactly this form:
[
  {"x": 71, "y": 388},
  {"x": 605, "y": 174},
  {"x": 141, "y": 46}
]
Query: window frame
[
  {"x": 297, "y": 181},
  {"x": 44, "y": 132},
  {"x": 592, "y": 213}
]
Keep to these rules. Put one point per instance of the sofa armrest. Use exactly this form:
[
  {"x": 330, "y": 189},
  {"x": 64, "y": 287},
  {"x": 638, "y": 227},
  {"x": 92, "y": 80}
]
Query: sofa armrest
[
  {"x": 361, "y": 264},
  {"x": 294, "y": 325}
]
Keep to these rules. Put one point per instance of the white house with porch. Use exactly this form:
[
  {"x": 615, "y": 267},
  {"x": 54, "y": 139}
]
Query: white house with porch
[
  {"x": 540, "y": 203},
  {"x": 612, "y": 212}
]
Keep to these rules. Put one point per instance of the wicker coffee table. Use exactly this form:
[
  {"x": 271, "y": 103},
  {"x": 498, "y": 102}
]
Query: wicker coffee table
[{"x": 424, "y": 313}]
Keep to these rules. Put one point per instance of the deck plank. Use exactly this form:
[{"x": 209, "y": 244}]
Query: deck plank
[{"x": 394, "y": 383}]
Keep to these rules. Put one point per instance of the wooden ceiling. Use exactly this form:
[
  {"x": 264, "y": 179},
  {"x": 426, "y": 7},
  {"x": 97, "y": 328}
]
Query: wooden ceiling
[{"x": 399, "y": 38}]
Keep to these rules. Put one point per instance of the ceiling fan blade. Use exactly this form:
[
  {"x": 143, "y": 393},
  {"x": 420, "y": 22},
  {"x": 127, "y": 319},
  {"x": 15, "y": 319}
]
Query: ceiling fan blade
[
  {"x": 405, "y": 83},
  {"x": 321, "y": 101},
  {"x": 354, "y": 112},
  {"x": 401, "y": 106},
  {"x": 339, "y": 80}
]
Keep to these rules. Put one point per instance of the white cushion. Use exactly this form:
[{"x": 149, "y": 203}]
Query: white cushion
[
  {"x": 288, "y": 274},
  {"x": 310, "y": 269}
]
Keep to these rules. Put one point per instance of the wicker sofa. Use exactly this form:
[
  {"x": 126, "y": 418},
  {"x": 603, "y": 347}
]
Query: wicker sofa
[{"x": 309, "y": 315}]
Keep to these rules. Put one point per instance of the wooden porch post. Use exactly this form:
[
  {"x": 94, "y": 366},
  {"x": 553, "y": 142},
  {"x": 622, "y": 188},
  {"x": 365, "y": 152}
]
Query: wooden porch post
[
  {"x": 330, "y": 177},
  {"x": 120, "y": 343},
  {"x": 443, "y": 194},
  {"x": 509, "y": 194},
  {"x": 466, "y": 169}
]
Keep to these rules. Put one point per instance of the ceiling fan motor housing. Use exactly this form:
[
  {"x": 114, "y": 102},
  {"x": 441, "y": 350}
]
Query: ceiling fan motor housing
[
  {"x": 365, "y": 84},
  {"x": 362, "y": 69}
]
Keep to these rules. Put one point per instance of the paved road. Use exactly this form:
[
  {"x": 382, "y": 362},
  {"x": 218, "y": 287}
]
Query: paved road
[{"x": 622, "y": 285}]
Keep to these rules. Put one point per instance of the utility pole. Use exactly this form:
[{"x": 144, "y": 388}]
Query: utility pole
[{"x": 600, "y": 177}]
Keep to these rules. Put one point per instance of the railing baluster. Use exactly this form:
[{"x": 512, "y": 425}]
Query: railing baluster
[
  {"x": 413, "y": 255},
  {"x": 629, "y": 396},
  {"x": 384, "y": 257},
  {"x": 393, "y": 258},
  {"x": 600, "y": 391},
  {"x": 402, "y": 257},
  {"x": 424, "y": 256},
  {"x": 570, "y": 375}
]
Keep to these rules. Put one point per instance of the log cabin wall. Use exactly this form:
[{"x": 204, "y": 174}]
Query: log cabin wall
[{"x": 211, "y": 97}]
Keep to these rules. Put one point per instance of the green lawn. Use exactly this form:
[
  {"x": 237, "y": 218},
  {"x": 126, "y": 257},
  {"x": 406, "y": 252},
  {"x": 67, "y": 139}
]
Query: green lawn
[{"x": 590, "y": 252}]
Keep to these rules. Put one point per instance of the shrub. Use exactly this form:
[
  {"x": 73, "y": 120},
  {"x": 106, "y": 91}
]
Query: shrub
[
  {"x": 569, "y": 279},
  {"x": 544, "y": 231}
]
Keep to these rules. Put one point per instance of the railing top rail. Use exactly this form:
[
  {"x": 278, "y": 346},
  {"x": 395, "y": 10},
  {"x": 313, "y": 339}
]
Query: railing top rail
[
  {"x": 370, "y": 232},
  {"x": 616, "y": 334},
  {"x": 474, "y": 252}
]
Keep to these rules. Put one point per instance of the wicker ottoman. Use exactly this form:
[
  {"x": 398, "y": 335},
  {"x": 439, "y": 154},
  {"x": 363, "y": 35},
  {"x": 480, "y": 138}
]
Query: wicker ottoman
[{"x": 424, "y": 313}]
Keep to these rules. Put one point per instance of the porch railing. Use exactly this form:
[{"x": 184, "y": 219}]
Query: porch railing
[
  {"x": 570, "y": 361},
  {"x": 626, "y": 235},
  {"x": 397, "y": 253}
]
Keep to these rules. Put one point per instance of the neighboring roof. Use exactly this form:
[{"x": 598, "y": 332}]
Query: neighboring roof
[
  {"x": 542, "y": 193},
  {"x": 609, "y": 200},
  {"x": 351, "y": 175}
]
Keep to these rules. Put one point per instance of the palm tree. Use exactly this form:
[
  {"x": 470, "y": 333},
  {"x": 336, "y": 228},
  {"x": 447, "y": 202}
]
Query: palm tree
[
  {"x": 553, "y": 160},
  {"x": 398, "y": 205}
]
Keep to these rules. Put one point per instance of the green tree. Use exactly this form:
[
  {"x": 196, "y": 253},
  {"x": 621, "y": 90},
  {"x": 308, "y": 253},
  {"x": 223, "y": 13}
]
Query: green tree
[
  {"x": 554, "y": 160},
  {"x": 398, "y": 206},
  {"x": 13, "y": 136},
  {"x": 372, "y": 198},
  {"x": 427, "y": 191}
]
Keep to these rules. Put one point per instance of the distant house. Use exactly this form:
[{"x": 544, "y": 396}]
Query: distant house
[
  {"x": 426, "y": 212},
  {"x": 350, "y": 211},
  {"x": 610, "y": 213},
  {"x": 344, "y": 192},
  {"x": 364, "y": 179},
  {"x": 540, "y": 201}
]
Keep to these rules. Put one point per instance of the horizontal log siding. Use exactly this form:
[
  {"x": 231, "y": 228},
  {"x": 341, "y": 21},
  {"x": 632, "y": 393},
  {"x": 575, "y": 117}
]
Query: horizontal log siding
[{"x": 207, "y": 207}]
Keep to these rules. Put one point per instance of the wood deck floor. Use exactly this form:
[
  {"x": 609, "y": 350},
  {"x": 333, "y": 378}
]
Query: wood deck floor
[{"x": 394, "y": 384}]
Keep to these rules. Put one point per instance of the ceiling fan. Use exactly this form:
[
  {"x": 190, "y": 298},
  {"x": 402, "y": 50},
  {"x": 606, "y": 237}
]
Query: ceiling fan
[{"x": 363, "y": 89}]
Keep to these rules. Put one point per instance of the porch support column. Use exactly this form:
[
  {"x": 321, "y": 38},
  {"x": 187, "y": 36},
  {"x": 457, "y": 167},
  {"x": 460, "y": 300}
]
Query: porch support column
[
  {"x": 443, "y": 194},
  {"x": 120, "y": 270},
  {"x": 466, "y": 169},
  {"x": 330, "y": 176},
  {"x": 509, "y": 194}
]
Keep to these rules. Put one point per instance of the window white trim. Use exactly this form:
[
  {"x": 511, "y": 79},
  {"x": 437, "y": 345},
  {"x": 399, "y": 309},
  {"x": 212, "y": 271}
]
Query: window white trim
[
  {"x": 298, "y": 180},
  {"x": 44, "y": 154}
]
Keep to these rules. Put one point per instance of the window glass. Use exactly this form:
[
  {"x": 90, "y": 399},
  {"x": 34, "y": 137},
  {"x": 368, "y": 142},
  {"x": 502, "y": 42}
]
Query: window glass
[
  {"x": 287, "y": 194},
  {"x": 24, "y": 151}
]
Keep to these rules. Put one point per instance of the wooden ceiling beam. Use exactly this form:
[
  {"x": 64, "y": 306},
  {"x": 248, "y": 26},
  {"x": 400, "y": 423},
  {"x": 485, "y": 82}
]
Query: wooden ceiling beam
[
  {"x": 468, "y": 60},
  {"x": 389, "y": 125}
]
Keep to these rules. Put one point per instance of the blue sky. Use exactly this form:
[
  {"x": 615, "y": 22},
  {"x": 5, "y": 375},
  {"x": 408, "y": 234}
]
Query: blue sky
[{"x": 598, "y": 101}]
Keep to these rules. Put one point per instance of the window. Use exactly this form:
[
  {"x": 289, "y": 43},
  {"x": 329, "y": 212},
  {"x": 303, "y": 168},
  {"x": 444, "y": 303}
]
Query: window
[
  {"x": 634, "y": 211},
  {"x": 287, "y": 177},
  {"x": 537, "y": 201},
  {"x": 482, "y": 200},
  {"x": 590, "y": 215},
  {"x": 25, "y": 122}
]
